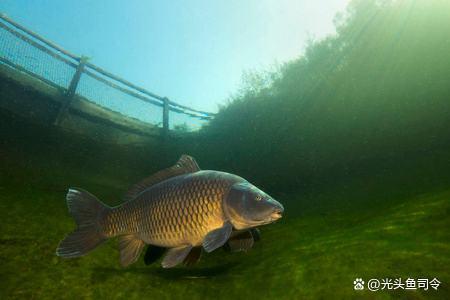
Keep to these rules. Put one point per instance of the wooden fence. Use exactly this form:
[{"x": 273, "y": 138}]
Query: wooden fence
[{"x": 82, "y": 67}]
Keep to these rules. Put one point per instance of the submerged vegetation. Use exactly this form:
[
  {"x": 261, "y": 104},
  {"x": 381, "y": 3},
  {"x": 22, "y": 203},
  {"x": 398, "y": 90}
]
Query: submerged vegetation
[
  {"x": 369, "y": 98},
  {"x": 352, "y": 137}
]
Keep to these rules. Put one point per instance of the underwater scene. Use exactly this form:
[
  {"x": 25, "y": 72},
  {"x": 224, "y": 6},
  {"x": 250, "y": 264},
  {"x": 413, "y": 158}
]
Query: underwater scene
[{"x": 326, "y": 176}]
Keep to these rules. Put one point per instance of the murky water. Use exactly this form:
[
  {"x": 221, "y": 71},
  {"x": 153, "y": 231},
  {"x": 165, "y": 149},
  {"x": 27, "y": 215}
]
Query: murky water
[{"x": 353, "y": 139}]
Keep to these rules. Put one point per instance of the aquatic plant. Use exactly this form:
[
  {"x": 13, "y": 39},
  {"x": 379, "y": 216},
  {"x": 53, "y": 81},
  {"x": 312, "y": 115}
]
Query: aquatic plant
[{"x": 371, "y": 98}]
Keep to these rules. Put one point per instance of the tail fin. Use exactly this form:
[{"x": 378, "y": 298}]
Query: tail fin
[{"x": 87, "y": 211}]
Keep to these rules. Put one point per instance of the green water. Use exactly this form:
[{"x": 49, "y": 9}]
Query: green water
[
  {"x": 353, "y": 139},
  {"x": 327, "y": 239}
]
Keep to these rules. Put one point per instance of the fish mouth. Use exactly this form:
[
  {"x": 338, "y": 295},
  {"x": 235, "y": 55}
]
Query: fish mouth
[
  {"x": 271, "y": 218},
  {"x": 276, "y": 215}
]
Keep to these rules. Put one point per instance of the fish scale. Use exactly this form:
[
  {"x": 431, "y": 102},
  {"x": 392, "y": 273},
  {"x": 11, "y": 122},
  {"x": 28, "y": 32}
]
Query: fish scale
[{"x": 179, "y": 211}]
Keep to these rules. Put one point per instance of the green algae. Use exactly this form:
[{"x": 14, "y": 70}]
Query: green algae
[{"x": 313, "y": 256}]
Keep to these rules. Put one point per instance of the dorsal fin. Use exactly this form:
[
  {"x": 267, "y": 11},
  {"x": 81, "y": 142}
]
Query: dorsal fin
[{"x": 186, "y": 164}]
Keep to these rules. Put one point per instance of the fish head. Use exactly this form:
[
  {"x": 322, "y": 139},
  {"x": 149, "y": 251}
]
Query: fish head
[{"x": 247, "y": 206}]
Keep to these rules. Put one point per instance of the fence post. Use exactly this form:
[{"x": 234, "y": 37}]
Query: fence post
[
  {"x": 166, "y": 117},
  {"x": 70, "y": 93}
]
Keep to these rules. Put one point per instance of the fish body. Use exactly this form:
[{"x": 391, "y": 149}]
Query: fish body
[
  {"x": 175, "y": 212},
  {"x": 181, "y": 208}
]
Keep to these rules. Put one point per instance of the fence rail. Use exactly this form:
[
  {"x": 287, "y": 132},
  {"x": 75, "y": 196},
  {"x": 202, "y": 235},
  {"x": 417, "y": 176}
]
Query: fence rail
[{"x": 28, "y": 52}]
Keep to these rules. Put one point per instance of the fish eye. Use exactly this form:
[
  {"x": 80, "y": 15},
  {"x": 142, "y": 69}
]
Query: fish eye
[{"x": 258, "y": 198}]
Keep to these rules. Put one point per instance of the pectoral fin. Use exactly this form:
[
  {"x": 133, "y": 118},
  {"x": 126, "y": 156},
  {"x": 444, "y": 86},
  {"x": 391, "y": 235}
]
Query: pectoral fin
[
  {"x": 175, "y": 256},
  {"x": 241, "y": 241},
  {"x": 217, "y": 237}
]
